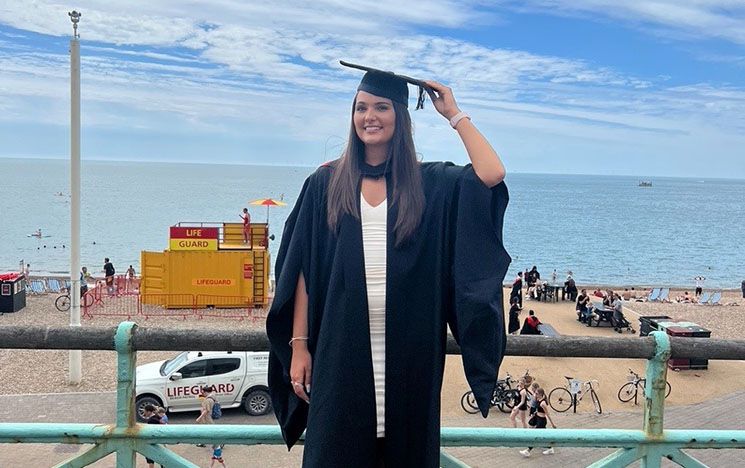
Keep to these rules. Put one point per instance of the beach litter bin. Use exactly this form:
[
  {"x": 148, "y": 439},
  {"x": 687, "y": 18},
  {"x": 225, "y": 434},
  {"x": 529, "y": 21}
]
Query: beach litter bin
[
  {"x": 678, "y": 363},
  {"x": 12, "y": 292},
  {"x": 699, "y": 332},
  {"x": 649, "y": 323}
]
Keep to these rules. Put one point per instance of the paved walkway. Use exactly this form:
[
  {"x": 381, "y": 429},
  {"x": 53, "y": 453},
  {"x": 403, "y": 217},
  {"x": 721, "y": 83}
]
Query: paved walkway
[{"x": 727, "y": 413}]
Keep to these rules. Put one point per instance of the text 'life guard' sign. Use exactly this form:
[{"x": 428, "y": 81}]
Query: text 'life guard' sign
[{"x": 193, "y": 238}]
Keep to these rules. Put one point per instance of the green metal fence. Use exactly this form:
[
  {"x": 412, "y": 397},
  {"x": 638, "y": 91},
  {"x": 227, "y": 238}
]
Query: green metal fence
[{"x": 126, "y": 438}]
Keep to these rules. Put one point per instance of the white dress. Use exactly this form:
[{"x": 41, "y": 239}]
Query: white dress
[{"x": 374, "y": 241}]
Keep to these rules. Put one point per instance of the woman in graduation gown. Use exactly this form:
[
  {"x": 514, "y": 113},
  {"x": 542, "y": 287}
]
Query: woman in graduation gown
[{"x": 379, "y": 255}]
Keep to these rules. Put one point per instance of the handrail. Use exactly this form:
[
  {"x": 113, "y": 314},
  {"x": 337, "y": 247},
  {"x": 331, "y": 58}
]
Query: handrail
[
  {"x": 159, "y": 339},
  {"x": 127, "y": 438}
]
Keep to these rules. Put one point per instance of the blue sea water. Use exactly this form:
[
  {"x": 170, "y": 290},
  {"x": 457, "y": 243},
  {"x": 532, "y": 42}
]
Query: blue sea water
[{"x": 606, "y": 229}]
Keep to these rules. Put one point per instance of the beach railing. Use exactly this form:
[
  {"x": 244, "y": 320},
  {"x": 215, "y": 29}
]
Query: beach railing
[
  {"x": 126, "y": 438},
  {"x": 159, "y": 305}
]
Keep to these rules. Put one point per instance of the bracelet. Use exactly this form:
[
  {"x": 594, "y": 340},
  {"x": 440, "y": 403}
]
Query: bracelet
[
  {"x": 458, "y": 117},
  {"x": 298, "y": 338}
]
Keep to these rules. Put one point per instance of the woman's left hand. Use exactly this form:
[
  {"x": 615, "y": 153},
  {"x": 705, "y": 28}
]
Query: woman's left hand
[{"x": 442, "y": 98}]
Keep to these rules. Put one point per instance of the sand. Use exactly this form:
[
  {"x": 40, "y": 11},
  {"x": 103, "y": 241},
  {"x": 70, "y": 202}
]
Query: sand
[{"x": 31, "y": 371}]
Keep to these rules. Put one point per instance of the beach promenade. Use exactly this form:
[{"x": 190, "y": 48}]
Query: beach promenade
[
  {"x": 722, "y": 413},
  {"x": 34, "y": 389}
]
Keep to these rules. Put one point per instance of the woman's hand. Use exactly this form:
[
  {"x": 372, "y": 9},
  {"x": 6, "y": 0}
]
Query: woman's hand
[
  {"x": 443, "y": 99},
  {"x": 300, "y": 369}
]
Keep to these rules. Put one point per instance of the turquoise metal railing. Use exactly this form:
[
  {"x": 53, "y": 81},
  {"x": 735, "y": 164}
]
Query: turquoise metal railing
[{"x": 126, "y": 438}]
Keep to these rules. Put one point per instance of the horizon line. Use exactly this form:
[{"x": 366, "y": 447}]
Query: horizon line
[{"x": 216, "y": 163}]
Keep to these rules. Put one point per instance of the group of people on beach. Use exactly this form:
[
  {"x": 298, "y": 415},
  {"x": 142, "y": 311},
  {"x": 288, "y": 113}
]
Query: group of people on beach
[
  {"x": 530, "y": 324},
  {"x": 532, "y": 409},
  {"x": 537, "y": 289},
  {"x": 611, "y": 302}
]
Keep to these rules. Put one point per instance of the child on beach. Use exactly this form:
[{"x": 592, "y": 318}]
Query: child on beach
[
  {"x": 163, "y": 415},
  {"x": 217, "y": 456}
]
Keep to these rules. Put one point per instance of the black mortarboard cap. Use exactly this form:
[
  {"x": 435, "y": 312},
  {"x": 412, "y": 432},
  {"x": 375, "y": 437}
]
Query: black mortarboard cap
[{"x": 389, "y": 85}]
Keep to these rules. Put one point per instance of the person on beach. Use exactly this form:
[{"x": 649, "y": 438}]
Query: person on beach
[
  {"x": 582, "y": 307},
  {"x": 530, "y": 324},
  {"x": 533, "y": 276},
  {"x": 514, "y": 323},
  {"x": 162, "y": 415},
  {"x": 521, "y": 408},
  {"x": 685, "y": 298},
  {"x": 217, "y": 456},
  {"x": 130, "y": 277},
  {"x": 246, "y": 218},
  {"x": 699, "y": 285},
  {"x": 619, "y": 320},
  {"x": 109, "y": 273},
  {"x": 151, "y": 416},
  {"x": 742, "y": 287},
  {"x": 27, "y": 272},
  {"x": 533, "y": 406},
  {"x": 84, "y": 281},
  {"x": 379, "y": 255},
  {"x": 208, "y": 401},
  {"x": 517, "y": 289},
  {"x": 570, "y": 288},
  {"x": 540, "y": 420}
]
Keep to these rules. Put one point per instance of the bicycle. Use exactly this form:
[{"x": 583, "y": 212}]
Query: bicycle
[
  {"x": 504, "y": 397},
  {"x": 630, "y": 389},
  {"x": 561, "y": 398},
  {"x": 63, "y": 302}
]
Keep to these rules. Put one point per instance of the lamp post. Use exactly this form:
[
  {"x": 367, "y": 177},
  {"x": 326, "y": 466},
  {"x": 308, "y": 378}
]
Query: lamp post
[{"x": 75, "y": 355}]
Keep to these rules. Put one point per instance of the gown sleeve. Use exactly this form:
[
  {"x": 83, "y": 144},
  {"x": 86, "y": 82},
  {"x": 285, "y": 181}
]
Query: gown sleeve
[
  {"x": 479, "y": 265},
  {"x": 293, "y": 257}
]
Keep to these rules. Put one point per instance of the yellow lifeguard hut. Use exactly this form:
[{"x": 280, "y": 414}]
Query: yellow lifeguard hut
[{"x": 209, "y": 265}]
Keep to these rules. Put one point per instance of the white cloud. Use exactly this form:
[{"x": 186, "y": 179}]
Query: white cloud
[{"x": 690, "y": 19}]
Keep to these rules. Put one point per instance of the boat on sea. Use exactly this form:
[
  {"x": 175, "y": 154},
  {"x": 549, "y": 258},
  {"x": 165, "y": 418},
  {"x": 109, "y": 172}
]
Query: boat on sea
[{"x": 645, "y": 183}]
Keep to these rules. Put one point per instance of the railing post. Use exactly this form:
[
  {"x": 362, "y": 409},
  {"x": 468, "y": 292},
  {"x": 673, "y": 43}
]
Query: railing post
[
  {"x": 656, "y": 386},
  {"x": 125, "y": 390}
]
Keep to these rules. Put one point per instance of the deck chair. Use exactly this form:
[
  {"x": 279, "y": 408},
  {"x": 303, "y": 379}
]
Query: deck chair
[
  {"x": 54, "y": 285},
  {"x": 653, "y": 295},
  {"x": 37, "y": 287},
  {"x": 704, "y": 299},
  {"x": 664, "y": 293},
  {"x": 715, "y": 298}
]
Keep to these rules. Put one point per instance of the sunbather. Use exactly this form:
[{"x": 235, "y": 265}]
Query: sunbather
[{"x": 685, "y": 298}]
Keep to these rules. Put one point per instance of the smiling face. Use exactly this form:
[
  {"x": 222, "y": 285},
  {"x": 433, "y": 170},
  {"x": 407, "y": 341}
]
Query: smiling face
[{"x": 374, "y": 119}]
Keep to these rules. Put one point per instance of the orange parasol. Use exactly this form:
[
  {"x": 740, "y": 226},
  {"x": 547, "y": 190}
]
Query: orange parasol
[{"x": 267, "y": 202}]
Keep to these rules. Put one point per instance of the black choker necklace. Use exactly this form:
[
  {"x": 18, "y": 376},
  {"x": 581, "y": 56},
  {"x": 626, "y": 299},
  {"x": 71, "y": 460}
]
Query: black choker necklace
[{"x": 375, "y": 172}]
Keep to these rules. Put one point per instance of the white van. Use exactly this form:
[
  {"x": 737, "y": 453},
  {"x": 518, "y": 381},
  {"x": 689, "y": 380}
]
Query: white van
[{"x": 239, "y": 378}]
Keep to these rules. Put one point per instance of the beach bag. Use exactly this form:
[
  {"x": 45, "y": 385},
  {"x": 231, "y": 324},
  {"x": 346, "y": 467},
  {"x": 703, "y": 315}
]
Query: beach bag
[{"x": 216, "y": 409}]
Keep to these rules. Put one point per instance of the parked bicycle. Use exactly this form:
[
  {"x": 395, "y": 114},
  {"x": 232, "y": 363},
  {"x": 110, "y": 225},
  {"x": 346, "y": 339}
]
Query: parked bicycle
[
  {"x": 561, "y": 398},
  {"x": 631, "y": 388},
  {"x": 63, "y": 302},
  {"x": 504, "y": 397}
]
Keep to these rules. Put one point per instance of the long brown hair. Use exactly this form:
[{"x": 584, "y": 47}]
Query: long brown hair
[{"x": 405, "y": 176}]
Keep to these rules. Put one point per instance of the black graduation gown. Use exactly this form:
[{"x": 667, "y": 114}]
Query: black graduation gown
[{"x": 450, "y": 272}]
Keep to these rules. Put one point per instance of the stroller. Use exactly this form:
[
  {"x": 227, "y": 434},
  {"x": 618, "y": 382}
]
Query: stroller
[{"x": 620, "y": 323}]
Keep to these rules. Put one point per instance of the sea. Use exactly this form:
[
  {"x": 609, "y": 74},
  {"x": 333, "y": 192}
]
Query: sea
[{"x": 605, "y": 229}]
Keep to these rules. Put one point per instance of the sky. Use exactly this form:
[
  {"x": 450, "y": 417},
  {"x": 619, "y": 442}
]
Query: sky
[{"x": 647, "y": 88}]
